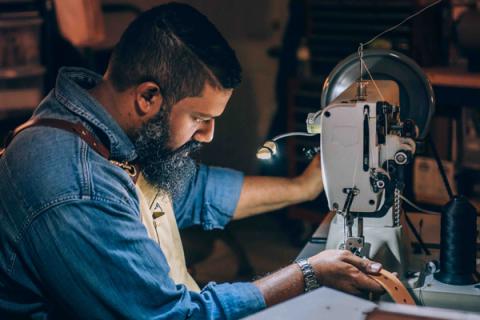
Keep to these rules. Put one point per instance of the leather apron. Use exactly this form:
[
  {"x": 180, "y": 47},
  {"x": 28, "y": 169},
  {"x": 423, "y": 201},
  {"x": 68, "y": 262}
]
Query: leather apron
[{"x": 156, "y": 213}]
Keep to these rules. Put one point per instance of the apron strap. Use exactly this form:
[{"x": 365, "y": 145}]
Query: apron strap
[{"x": 76, "y": 128}]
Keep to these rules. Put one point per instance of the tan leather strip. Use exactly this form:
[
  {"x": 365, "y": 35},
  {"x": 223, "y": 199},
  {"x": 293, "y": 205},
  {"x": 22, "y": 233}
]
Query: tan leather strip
[{"x": 394, "y": 287}]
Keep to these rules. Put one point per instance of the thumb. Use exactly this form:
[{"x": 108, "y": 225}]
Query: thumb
[{"x": 365, "y": 265}]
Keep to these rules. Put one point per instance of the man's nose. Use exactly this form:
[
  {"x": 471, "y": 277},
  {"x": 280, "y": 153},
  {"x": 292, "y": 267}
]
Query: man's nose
[{"x": 205, "y": 133}]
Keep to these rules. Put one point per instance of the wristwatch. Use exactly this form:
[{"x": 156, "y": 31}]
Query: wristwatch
[{"x": 311, "y": 281}]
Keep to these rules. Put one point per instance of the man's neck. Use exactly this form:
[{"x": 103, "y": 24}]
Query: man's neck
[{"x": 110, "y": 99}]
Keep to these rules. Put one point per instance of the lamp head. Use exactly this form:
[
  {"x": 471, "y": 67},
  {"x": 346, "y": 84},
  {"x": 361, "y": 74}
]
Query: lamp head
[{"x": 267, "y": 150}]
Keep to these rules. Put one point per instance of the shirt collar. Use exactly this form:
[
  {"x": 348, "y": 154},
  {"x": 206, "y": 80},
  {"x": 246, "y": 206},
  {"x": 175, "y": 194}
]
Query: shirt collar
[{"x": 71, "y": 91}]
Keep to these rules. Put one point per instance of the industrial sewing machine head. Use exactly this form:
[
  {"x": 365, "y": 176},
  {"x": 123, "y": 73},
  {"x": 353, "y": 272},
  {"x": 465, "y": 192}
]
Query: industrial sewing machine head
[
  {"x": 374, "y": 104},
  {"x": 365, "y": 146}
]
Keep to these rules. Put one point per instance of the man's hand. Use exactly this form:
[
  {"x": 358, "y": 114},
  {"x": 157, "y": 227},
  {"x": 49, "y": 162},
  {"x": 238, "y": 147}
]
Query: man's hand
[
  {"x": 342, "y": 270},
  {"x": 338, "y": 269},
  {"x": 310, "y": 181},
  {"x": 263, "y": 194}
]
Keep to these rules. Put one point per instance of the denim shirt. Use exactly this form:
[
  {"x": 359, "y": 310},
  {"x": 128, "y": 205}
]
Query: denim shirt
[{"x": 71, "y": 241}]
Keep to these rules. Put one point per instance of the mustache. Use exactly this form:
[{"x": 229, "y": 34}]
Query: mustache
[{"x": 186, "y": 150}]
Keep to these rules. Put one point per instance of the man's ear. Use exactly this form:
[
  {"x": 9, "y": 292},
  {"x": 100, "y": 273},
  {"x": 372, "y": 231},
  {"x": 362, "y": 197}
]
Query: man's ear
[{"x": 148, "y": 98}]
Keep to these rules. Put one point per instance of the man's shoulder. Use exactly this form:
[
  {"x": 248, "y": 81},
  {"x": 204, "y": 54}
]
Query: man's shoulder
[{"x": 49, "y": 166}]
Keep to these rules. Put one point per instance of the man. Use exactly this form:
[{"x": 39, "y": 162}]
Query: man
[{"x": 72, "y": 243}]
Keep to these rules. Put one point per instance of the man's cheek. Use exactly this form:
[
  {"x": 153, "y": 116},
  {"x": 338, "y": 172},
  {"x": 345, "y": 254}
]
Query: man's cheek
[
  {"x": 172, "y": 143},
  {"x": 177, "y": 142}
]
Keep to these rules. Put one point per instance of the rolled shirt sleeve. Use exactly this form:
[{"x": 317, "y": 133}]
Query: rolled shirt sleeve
[
  {"x": 210, "y": 199},
  {"x": 94, "y": 259}
]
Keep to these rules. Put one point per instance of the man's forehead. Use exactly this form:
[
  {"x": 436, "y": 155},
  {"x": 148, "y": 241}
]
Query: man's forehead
[{"x": 211, "y": 102}]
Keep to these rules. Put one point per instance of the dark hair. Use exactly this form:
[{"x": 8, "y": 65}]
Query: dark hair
[{"x": 176, "y": 47}]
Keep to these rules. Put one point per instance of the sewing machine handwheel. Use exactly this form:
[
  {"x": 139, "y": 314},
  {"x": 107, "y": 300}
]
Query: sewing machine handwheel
[{"x": 417, "y": 101}]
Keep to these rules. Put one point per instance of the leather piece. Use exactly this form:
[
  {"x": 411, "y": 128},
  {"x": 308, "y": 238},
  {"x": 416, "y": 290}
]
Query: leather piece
[{"x": 394, "y": 287}]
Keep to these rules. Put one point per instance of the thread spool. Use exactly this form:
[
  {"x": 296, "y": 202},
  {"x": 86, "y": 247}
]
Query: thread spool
[{"x": 458, "y": 243}]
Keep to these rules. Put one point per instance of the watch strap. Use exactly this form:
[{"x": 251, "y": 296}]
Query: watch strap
[{"x": 309, "y": 277}]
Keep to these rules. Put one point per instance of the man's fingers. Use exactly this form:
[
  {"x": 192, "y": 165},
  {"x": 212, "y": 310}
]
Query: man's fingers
[
  {"x": 365, "y": 266},
  {"x": 362, "y": 264},
  {"x": 365, "y": 282},
  {"x": 314, "y": 163},
  {"x": 373, "y": 267},
  {"x": 353, "y": 290}
]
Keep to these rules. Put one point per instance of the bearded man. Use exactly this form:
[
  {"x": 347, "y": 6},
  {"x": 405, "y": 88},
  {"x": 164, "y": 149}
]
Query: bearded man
[{"x": 82, "y": 237}]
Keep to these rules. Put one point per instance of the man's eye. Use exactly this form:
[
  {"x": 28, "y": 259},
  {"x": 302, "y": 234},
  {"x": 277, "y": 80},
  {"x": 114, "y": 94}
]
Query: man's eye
[{"x": 199, "y": 120}]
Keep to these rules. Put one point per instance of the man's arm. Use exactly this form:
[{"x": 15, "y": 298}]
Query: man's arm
[
  {"x": 215, "y": 195},
  {"x": 89, "y": 257},
  {"x": 97, "y": 253},
  {"x": 262, "y": 194},
  {"x": 338, "y": 269}
]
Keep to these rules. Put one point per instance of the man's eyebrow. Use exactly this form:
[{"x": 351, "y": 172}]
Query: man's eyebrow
[{"x": 203, "y": 115}]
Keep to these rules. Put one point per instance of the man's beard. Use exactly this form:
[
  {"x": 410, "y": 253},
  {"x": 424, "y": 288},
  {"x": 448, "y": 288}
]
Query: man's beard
[{"x": 170, "y": 170}]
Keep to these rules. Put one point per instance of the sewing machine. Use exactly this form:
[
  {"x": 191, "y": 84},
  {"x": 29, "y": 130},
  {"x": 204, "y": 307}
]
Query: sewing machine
[
  {"x": 366, "y": 141},
  {"x": 364, "y": 149},
  {"x": 374, "y": 105}
]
